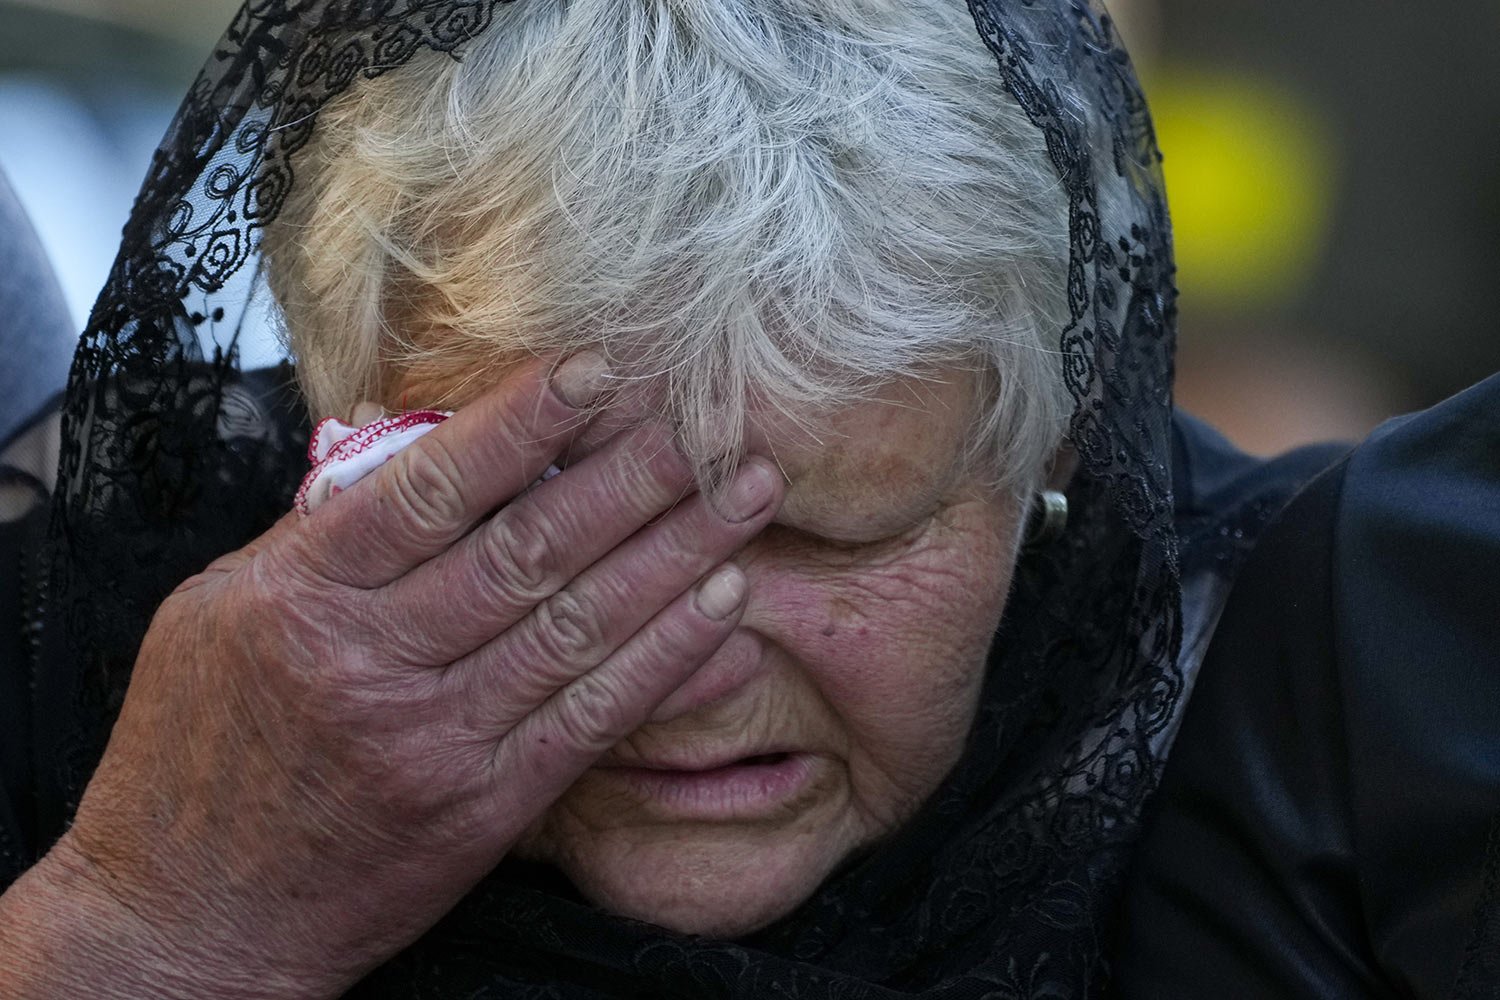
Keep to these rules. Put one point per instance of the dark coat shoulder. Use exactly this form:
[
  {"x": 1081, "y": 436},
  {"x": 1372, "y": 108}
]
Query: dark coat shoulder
[{"x": 1329, "y": 821}]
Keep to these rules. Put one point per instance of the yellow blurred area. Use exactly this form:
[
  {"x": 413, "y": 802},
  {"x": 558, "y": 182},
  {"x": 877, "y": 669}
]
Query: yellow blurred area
[
  {"x": 1252, "y": 177},
  {"x": 1250, "y": 171}
]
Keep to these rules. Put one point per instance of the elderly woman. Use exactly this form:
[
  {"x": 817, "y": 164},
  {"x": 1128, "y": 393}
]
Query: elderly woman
[
  {"x": 739, "y": 212},
  {"x": 684, "y": 600}
]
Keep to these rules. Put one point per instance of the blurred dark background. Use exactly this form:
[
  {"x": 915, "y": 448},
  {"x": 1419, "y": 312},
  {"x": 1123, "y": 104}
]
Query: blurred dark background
[
  {"x": 1333, "y": 167},
  {"x": 1334, "y": 173}
]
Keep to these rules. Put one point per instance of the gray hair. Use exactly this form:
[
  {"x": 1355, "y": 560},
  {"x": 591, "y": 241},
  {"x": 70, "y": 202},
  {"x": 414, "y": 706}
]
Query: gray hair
[{"x": 779, "y": 201}]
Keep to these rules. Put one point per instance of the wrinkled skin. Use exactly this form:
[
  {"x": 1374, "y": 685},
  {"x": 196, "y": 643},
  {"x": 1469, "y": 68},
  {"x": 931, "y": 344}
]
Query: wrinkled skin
[
  {"x": 872, "y": 601},
  {"x": 332, "y": 734},
  {"x": 873, "y": 597}
]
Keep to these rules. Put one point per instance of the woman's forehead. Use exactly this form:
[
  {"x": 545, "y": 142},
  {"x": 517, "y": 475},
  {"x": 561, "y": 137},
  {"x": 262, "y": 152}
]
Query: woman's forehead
[{"x": 867, "y": 469}]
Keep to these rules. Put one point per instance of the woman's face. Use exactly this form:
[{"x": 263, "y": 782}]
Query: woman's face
[{"x": 840, "y": 702}]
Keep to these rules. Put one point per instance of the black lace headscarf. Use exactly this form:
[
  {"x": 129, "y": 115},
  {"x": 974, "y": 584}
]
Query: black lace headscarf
[{"x": 1002, "y": 886}]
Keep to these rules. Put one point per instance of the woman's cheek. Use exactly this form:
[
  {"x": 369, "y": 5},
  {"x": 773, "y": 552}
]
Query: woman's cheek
[{"x": 896, "y": 645}]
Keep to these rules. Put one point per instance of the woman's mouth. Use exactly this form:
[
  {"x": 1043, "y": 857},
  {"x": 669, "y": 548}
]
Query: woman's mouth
[{"x": 757, "y": 786}]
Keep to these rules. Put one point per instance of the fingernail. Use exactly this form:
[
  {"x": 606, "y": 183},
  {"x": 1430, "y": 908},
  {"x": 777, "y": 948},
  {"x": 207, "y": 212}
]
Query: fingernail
[
  {"x": 721, "y": 593},
  {"x": 750, "y": 491},
  {"x": 581, "y": 379}
]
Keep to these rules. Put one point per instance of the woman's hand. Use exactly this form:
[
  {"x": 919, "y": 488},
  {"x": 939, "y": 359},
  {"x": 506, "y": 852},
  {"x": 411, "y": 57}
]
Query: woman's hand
[{"x": 332, "y": 734}]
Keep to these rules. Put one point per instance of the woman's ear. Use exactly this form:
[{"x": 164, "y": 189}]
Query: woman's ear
[{"x": 1061, "y": 469}]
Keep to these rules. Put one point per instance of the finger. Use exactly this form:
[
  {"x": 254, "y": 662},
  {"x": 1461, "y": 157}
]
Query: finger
[
  {"x": 582, "y": 625},
  {"x": 494, "y": 577},
  {"x": 430, "y": 494},
  {"x": 631, "y": 407},
  {"x": 555, "y": 744}
]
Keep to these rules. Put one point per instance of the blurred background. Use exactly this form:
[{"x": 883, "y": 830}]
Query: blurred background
[{"x": 1333, "y": 170}]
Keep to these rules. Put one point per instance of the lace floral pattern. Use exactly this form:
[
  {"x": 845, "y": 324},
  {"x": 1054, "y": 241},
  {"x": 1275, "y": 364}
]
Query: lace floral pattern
[{"x": 1003, "y": 885}]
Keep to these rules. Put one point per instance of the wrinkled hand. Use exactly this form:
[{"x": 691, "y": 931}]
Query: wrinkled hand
[{"x": 334, "y": 733}]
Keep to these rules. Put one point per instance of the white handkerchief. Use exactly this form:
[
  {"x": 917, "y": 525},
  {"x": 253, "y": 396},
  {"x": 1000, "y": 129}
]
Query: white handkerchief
[{"x": 342, "y": 455}]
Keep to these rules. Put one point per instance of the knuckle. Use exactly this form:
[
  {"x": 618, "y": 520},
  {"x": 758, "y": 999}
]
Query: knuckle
[
  {"x": 569, "y": 628},
  {"x": 304, "y": 607},
  {"x": 684, "y": 553},
  {"x": 327, "y": 637},
  {"x": 682, "y": 637},
  {"x": 425, "y": 484},
  {"x": 659, "y": 469},
  {"x": 596, "y": 712},
  {"x": 516, "y": 551},
  {"x": 264, "y": 601},
  {"x": 520, "y": 420},
  {"x": 637, "y": 477}
]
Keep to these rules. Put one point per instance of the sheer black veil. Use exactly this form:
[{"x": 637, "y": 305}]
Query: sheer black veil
[{"x": 1004, "y": 883}]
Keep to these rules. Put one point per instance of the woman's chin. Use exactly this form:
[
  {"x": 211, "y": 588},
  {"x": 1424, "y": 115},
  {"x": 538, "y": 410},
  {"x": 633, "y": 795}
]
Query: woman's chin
[{"x": 720, "y": 883}]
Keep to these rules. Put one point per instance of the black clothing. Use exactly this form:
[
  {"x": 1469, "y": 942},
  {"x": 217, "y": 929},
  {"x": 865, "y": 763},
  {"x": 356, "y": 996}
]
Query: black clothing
[{"x": 1329, "y": 822}]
